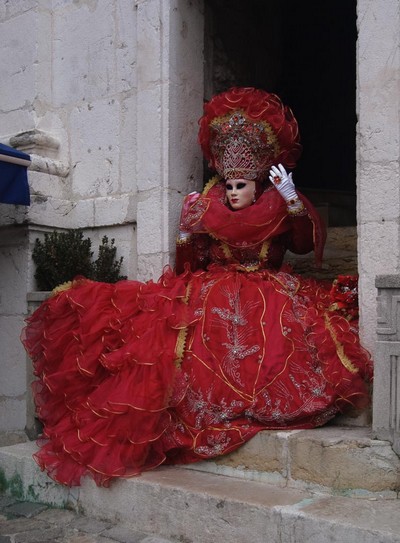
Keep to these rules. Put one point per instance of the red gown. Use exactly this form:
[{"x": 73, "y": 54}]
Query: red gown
[{"x": 132, "y": 375}]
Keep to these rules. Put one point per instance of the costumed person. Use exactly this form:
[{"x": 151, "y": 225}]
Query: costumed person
[{"x": 133, "y": 375}]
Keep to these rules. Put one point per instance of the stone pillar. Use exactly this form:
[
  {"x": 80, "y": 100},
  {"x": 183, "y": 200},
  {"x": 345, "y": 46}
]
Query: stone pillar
[
  {"x": 378, "y": 201},
  {"x": 378, "y": 160},
  {"x": 169, "y": 103},
  {"x": 386, "y": 420}
]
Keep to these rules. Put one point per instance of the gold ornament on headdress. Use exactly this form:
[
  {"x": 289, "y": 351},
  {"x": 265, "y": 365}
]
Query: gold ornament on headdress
[
  {"x": 242, "y": 147},
  {"x": 244, "y": 131}
]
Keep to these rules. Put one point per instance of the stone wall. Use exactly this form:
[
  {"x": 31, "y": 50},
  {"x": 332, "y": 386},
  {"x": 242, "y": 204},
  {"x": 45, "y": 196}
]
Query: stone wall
[
  {"x": 105, "y": 96},
  {"x": 378, "y": 160}
]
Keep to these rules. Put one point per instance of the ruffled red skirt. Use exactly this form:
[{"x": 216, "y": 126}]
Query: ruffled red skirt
[{"x": 132, "y": 375}]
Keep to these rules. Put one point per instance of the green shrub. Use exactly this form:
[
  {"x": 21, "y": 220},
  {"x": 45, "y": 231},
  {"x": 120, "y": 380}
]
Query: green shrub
[
  {"x": 106, "y": 268},
  {"x": 61, "y": 256}
]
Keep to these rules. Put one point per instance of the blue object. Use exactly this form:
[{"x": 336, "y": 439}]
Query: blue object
[{"x": 14, "y": 188}]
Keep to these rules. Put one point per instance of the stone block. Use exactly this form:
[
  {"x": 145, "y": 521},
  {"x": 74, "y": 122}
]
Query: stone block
[
  {"x": 44, "y": 186},
  {"x": 378, "y": 253},
  {"x": 14, "y": 272},
  {"x": 54, "y": 124},
  {"x": 43, "y": 68},
  {"x": 91, "y": 525},
  {"x": 84, "y": 47},
  {"x": 26, "y": 509},
  {"x": 125, "y": 46},
  {"x": 151, "y": 219},
  {"x": 20, "y": 7},
  {"x": 152, "y": 163},
  {"x": 128, "y": 145},
  {"x": 149, "y": 45},
  {"x": 17, "y": 71},
  {"x": 150, "y": 266},
  {"x": 375, "y": 240},
  {"x": 186, "y": 160},
  {"x": 341, "y": 462},
  {"x": 12, "y": 414},
  {"x": 12, "y": 357},
  {"x": 15, "y": 121},
  {"x": 341, "y": 520},
  {"x": 21, "y": 472},
  {"x": 379, "y": 201},
  {"x": 266, "y": 453},
  {"x": 94, "y": 149},
  {"x": 11, "y": 215},
  {"x": 386, "y": 414},
  {"x": 114, "y": 210},
  {"x": 187, "y": 27},
  {"x": 55, "y": 213},
  {"x": 10, "y": 437},
  {"x": 124, "y": 534},
  {"x": 332, "y": 459},
  {"x": 378, "y": 115}
]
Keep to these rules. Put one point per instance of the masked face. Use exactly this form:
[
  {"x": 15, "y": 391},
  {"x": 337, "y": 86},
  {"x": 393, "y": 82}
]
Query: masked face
[{"x": 240, "y": 193}]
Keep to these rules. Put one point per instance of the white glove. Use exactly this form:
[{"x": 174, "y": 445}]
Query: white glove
[{"x": 283, "y": 183}]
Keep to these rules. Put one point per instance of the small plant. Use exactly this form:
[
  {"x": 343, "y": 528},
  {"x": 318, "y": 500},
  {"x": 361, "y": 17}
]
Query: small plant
[
  {"x": 61, "y": 256},
  {"x": 106, "y": 268}
]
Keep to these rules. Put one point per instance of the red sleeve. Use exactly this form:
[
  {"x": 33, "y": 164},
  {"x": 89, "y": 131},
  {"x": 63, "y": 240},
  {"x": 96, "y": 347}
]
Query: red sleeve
[
  {"x": 194, "y": 252},
  {"x": 300, "y": 239},
  {"x": 308, "y": 232}
]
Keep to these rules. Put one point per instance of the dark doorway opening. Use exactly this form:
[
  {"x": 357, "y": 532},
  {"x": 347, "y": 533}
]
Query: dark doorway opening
[{"x": 306, "y": 53}]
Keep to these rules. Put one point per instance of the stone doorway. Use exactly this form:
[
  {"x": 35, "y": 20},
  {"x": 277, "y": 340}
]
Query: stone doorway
[{"x": 306, "y": 53}]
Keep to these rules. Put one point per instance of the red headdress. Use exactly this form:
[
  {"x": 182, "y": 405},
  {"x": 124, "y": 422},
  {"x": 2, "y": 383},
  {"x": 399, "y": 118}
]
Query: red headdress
[{"x": 244, "y": 131}]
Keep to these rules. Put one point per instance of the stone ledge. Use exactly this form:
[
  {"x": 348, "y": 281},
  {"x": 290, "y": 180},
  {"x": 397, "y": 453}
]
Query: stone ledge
[
  {"x": 187, "y": 505},
  {"x": 387, "y": 281},
  {"x": 332, "y": 459},
  {"x": 12, "y": 438}
]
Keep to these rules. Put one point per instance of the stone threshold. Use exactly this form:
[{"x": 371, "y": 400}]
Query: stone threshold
[{"x": 199, "y": 507}]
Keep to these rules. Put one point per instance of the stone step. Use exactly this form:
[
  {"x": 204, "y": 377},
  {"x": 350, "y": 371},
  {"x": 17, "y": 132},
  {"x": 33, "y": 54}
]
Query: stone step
[
  {"x": 197, "y": 507},
  {"x": 333, "y": 459}
]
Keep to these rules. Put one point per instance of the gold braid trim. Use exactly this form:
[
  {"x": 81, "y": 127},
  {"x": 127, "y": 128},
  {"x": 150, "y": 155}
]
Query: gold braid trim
[
  {"x": 211, "y": 183},
  {"x": 262, "y": 255},
  {"x": 264, "y": 249},
  {"x": 182, "y": 334},
  {"x": 61, "y": 288},
  {"x": 347, "y": 363},
  {"x": 226, "y": 250}
]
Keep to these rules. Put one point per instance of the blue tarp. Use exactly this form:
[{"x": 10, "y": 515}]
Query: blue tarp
[{"x": 14, "y": 188}]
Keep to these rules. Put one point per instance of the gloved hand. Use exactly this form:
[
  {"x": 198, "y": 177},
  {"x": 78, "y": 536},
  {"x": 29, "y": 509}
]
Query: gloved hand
[
  {"x": 283, "y": 183},
  {"x": 184, "y": 228}
]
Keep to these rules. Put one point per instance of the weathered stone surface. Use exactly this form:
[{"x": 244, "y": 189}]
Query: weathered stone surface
[
  {"x": 178, "y": 504},
  {"x": 333, "y": 459},
  {"x": 342, "y": 461},
  {"x": 378, "y": 152},
  {"x": 267, "y": 452},
  {"x": 26, "y": 509}
]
